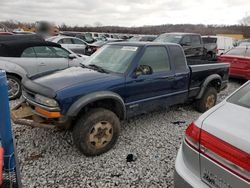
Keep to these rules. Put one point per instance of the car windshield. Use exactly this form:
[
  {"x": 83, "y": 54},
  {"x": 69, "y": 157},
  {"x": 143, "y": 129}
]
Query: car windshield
[
  {"x": 173, "y": 38},
  {"x": 112, "y": 58},
  {"x": 241, "y": 97},
  {"x": 240, "y": 51}
]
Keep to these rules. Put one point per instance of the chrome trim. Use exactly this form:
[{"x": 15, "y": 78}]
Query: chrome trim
[{"x": 51, "y": 109}]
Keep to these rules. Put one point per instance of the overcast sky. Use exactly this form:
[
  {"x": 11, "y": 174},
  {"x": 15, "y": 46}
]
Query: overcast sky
[{"x": 126, "y": 12}]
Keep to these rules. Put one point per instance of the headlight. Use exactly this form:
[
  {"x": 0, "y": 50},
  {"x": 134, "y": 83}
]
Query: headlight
[{"x": 45, "y": 101}]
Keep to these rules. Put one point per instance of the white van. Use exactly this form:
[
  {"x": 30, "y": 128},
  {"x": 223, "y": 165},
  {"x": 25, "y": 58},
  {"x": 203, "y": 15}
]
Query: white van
[{"x": 217, "y": 45}]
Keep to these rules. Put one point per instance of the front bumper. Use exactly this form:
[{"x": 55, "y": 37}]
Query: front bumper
[{"x": 24, "y": 113}]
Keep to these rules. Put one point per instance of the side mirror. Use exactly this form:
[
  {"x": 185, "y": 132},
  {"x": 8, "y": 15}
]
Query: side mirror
[
  {"x": 72, "y": 56},
  {"x": 143, "y": 70}
]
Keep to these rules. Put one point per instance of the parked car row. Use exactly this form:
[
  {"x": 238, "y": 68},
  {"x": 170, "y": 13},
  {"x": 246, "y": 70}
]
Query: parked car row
[
  {"x": 26, "y": 56},
  {"x": 91, "y": 96}
]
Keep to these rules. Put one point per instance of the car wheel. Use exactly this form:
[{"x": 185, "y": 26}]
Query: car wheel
[
  {"x": 14, "y": 87},
  {"x": 208, "y": 100},
  {"x": 96, "y": 132}
]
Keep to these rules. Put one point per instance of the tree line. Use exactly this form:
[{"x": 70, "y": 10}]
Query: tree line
[{"x": 243, "y": 29}]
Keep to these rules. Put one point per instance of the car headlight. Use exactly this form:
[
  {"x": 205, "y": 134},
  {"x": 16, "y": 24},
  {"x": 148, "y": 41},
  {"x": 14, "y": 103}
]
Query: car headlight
[{"x": 45, "y": 101}]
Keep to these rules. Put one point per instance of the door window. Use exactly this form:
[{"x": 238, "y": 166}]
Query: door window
[
  {"x": 29, "y": 52},
  {"x": 44, "y": 52},
  {"x": 60, "y": 52},
  {"x": 186, "y": 40},
  {"x": 76, "y": 41},
  {"x": 65, "y": 41},
  {"x": 195, "y": 39},
  {"x": 157, "y": 58}
]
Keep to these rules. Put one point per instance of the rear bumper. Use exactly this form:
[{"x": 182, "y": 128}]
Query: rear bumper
[{"x": 183, "y": 176}]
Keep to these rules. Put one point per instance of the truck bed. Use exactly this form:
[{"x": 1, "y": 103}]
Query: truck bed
[{"x": 202, "y": 71}]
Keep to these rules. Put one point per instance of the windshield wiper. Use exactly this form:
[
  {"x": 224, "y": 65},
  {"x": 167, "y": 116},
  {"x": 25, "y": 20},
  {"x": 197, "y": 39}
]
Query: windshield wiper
[{"x": 96, "y": 67}]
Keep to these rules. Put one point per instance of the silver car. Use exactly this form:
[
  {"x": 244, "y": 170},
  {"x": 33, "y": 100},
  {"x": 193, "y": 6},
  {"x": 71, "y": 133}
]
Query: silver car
[
  {"x": 72, "y": 43},
  {"x": 216, "y": 149},
  {"x": 20, "y": 59}
]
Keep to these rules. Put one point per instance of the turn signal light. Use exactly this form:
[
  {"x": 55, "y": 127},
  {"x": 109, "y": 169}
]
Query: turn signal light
[{"x": 47, "y": 113}]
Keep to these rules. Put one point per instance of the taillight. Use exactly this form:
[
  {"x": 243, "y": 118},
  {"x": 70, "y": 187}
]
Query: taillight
[
  {"x": 193, "y": 136},
  {"x": 221, "y": 152}
]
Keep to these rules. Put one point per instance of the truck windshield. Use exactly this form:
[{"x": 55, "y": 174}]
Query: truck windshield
[
  {"x": 113, "y": 58},
  {"x": 241, "y": 97},
  {"x": 167, "y": 37}
]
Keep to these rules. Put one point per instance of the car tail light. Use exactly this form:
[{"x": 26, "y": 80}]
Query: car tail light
[
  {"x": 219, "y": 151},
  {"x": 1, "y": 166}
]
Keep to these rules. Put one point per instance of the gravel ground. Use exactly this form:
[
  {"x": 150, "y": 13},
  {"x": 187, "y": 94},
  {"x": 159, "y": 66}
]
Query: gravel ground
[{"x": 48, "y": 158}]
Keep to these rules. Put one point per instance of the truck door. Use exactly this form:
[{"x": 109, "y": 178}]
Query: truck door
[{"x": 147, "y": 92}]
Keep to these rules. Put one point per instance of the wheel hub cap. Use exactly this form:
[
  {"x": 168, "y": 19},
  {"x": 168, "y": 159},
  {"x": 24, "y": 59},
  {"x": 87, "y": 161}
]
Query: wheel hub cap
[
  {"x": 13, "y": 87},
  {"x": 210, "y": 101},
  {"x": 101, "y": 134}
]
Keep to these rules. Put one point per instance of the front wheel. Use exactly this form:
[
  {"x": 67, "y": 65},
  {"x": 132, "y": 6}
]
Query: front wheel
[
  {"x": 96, "y": 132},
  {"x": 208, "y": 100},
  {"x": 14, "y": 87}
]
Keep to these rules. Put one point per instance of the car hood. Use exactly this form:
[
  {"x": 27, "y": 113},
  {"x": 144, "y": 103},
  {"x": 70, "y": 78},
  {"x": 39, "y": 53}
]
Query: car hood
[
  {"x": 70, "y": 77},
  {"x": 230, "y": 123}
]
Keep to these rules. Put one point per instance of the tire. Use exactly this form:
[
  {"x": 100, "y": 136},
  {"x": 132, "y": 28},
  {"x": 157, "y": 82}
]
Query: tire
[
  {"x": 208, "y": 100},
  {"x": 14, "y": 87},
  {"x": 96, "y": 132}
]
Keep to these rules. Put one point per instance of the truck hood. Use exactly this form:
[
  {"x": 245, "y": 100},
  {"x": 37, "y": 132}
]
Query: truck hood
[
  {"x": 50, "y": 84},
  {"x": 230, "y": 123},
  {"x": 70, "y": 77}
]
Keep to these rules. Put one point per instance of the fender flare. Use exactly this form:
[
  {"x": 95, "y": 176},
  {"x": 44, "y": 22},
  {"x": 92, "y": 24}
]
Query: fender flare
[
  {"x": 12, "y": 68},
  {"x": 78, "y": 105},
  {"x": 207, "y": 81}
]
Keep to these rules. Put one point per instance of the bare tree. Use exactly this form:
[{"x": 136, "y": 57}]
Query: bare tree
[{"x": 245, "y": 20}]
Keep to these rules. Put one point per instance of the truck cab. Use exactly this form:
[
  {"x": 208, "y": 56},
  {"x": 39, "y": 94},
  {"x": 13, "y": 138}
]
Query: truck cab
[{"x": 191, "y": 42}]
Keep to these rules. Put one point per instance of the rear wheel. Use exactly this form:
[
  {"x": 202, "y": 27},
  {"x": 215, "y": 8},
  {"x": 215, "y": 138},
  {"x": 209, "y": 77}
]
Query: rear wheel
[
  {"x": 208, "y": 100},
  {"x": 14, "y": 87},
  {"x": 96, "y": 132}
]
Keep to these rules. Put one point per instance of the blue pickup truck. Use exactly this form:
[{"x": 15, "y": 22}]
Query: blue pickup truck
[{"x": 119, "y": 81}]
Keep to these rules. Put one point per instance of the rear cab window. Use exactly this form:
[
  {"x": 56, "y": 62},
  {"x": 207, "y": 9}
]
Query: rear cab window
[
  {"x": 178, "y": 58},
  {"x": 209, "y": 40},
  {"x": 241, "y": 97}
]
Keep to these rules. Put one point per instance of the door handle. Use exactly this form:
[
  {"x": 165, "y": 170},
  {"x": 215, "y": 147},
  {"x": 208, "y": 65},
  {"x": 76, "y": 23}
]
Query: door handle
[
  {"x": 167, "y": 77},
  {"x": 42, "y": 64}
]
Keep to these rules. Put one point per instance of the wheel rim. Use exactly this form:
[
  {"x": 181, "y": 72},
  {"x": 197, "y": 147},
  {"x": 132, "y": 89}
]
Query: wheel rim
[
  {"x": 101, "y": 134},
  {"x": 13, "y": 87},
  {"x": 210, "y": 101}
]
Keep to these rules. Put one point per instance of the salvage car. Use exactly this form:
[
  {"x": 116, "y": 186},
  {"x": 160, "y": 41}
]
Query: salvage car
[
  {"x": 117, "y": 82},
  {"x": 72, "y": 43},
  {"x": 239, "y": 59},
  {"x": 191, "y": 43},
  {"x": 21, "y": 55},
  {"x": 216, "y": 148}
]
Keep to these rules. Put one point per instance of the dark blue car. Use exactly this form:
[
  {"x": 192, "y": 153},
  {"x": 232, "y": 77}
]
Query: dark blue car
[{"x": 119, "y": 81}]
